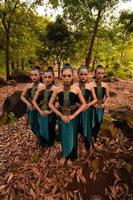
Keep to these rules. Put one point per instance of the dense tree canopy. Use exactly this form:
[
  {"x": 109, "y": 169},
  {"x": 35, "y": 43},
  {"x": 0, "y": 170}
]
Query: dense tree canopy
[{"x": 87, "y": 31}]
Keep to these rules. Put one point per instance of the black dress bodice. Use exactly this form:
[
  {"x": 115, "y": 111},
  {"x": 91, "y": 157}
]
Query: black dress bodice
[
  {"x": 44, "y": 100},
  {"x": 87, "y": 95},
  {"x": 103, "y": 92},
  {"x": 42, "y": 94},
  {"x": 72, "y": 98}
]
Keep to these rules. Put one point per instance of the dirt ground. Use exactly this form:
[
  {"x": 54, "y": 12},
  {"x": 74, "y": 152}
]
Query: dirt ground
[{"x": 28, "y": 172}]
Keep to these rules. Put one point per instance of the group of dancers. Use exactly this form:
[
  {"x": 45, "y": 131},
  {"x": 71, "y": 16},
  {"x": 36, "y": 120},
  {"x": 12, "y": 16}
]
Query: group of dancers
[{"x": 75, "y": 107}]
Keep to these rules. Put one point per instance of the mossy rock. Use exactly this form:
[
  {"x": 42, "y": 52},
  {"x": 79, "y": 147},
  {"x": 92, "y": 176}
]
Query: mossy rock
[
  {"x": 108, "y": 128},
  {"x": 12, "y": 82},
  {"x": 14, "y": 104},
  {"x": 112, "y": 94},
  {"x": 20, "y": 76},
  {"x": 107, "y": 78},
  {"x": 123, "y": 118},
  {"x": 2, "y": 82}
]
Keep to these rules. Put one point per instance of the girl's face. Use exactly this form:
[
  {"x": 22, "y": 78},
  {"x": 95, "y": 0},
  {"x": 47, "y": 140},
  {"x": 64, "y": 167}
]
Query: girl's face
[
  {"x": 67, "y": 76},
  {"x": 48, "y": 78},
  {"x": 83, "y": 75},
  {"x": 35, "y": 75},
  {"x": 100, "y": 74}
]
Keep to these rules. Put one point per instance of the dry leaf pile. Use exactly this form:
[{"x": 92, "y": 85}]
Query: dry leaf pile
[{"x": 28, "y": 172}]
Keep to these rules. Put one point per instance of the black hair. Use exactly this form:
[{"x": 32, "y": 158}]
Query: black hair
[
  {"x": 49, "y": 69},
  {"x": 98, "y": 67},
  {"x": 82, "y": 67},
  {"x": 36, "y": 68},
  {"x": 66, "y": 66}
]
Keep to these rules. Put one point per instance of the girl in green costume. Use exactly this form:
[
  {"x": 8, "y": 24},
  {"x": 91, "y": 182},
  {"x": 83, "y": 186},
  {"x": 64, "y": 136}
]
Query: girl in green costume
[
  {"x": 46, "y": 117},
  {"x": 102, "y": 93},
  {"x": 86, "y": 118},
  {"x": 67, "y": 94},
  {"x": 27, "y": 96}
]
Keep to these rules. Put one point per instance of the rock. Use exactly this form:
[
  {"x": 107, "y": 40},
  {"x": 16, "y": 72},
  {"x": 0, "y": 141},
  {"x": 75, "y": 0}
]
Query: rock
[
  {"x": 107, "y": 78},
  {"x": 114, "y": 79},
  {"x": 123, "y": 118},
  {"x": 14, "y": 104},
  {"x": 2, "y": 82},
  {"x": 108, "y": 128},
  {"x": 112, "y": 94},
  {"x": 20, "y": 76},
  {"x": 12, "y": 82}
]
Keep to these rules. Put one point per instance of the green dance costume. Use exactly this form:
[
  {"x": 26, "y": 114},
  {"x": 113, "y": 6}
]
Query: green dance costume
[
  {"x": 98, "y": 112},
  {"x": 85, "y": 117},
  {"x": 33, "y": 114},
  {"x": 46, "y": 123},
  {"x": 68, "y": 131}
]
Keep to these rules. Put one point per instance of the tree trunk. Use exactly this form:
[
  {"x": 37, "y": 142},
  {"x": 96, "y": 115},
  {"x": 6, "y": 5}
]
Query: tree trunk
[
  {"x": 12, "y": 65},
  {"x": 95, "y": 55},
  {"x": 59, "y": 64},
  {"x": 22, "y": 63},
  {"x": 90, "y": 46},
  {"x": 7, "y": 54},
  {"x": 94, "y": 61},
  {"x": 17, "y": 63}
]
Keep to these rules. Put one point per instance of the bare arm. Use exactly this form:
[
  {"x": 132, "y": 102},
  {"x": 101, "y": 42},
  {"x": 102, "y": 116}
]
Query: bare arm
[
  {"x": 54, "y": 109},
  {"x": 82, "y": 106},
  {"x": 23, "y": 97},
  {"x": 34, "y": 101},
  {"x": 94, "y": 98}
]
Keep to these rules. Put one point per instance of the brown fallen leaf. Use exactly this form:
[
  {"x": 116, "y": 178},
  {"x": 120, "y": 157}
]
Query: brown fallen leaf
[
  {"x": 32, "y": 193},
  {"x": 2, "y": 187},
  {"x": 10, "y": 177}
]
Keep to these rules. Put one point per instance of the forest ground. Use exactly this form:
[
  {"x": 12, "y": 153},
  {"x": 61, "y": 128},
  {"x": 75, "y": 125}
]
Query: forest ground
[{"x": 28, "y": 172}]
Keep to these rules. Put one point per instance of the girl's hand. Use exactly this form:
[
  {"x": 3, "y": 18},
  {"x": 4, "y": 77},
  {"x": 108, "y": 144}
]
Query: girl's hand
[
  {"x": 41, "y": 112},
  {"x": 44, "y": 113},
  {"x": 71, "y": 117},
  {"x": 87, "y": 106},
  {"x": 30, "y": 106},
  {"x": 65, "y": 118}
]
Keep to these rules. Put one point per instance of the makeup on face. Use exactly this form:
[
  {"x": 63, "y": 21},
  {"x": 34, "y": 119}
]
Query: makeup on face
[
  {"x": 83, "y": 75},
  {"x": 48, "y": 78},
  {"x": 100, "y": 74},
  {"x": 67, "y": 76},
  {"x": 35, "y": 75}
]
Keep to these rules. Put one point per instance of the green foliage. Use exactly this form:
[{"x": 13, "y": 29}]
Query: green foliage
[
  {"x": 126, "y": 19},
  {"x": 35, "y": 158},
  {"x": 11, "y": 118},
  {"x": 57, "y": 41}
]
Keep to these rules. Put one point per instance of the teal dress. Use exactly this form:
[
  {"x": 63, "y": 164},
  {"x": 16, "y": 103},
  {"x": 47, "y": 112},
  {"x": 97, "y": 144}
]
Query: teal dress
[
  {"x": 68, "y": 131},
  {"x": 33, "y": 114},
  {"x": 86, "y": 119},
  {"x": 98, "y": 113},
  {"x": 46, "y": 123}
]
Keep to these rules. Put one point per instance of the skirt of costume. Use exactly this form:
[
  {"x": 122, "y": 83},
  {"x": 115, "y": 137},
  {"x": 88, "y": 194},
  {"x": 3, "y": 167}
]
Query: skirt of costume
[
  {"x": 69, "y": 134},
  {"x": 86, "y": 123},
  {"x": 47, "y": 129},
  {"x": 33, "y": 121},
  {"x": 98, "y": 114}
]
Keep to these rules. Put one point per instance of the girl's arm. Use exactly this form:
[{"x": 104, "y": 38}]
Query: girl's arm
[
  {"x": 94, "y": 101},
  {"x": 34, "y": 101},
  {"x": 82, "y": 106},
  {"x": 23, "y": 97},
  {"x": 54, "y": 109}
]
